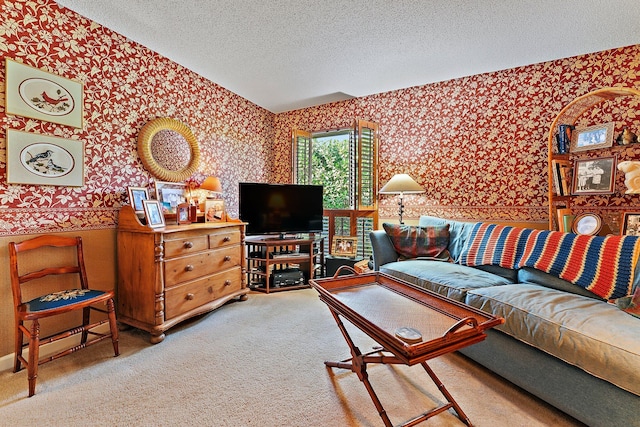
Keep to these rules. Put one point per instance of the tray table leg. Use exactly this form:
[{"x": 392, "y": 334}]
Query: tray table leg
[
  {"x": 359, "y": 367},
  {"x": 358, "y": 364},
  {"x": 452, "y": 403}
]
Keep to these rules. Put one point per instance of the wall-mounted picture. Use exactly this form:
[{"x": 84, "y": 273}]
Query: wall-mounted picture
[
  {"x": 40, "y": 95},
  {"x": 630, "y": 224},
  {"x": 153, "y": 213},
  {"x": 44, "y": 160},
  {"x": 214, "y": 210},
  {"x": 344, "y": 246},
  {"x": 592, "y": 137},
  {"x": 170, "y": 195},
  {"x": 136, "y": 196},
  {"x": 594, "y": 176}
]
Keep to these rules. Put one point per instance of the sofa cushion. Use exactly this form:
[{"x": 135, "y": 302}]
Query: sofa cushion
[
  {"x": 531, "y": 275},
  {"x": 593, "y": 335},
  {"x": 414, "y": 242},
  {"x": 448, "y": 279},
  {"x": 458, "y": 232}
]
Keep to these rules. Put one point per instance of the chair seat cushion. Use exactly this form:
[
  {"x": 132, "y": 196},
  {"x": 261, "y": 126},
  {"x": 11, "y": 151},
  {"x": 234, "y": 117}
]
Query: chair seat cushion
[
  {"x": 584, "y": 332},
  {"x": 61, "y": 299},
  {"x": 448, "y": 279}
]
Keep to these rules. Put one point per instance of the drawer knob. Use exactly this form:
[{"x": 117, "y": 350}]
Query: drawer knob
[
  {"x": 227, "y": 258},
  {"x": 226, "y": 239},
  {"x": 190, "y": 296},
  {"x": 227, "y": 282},
  {"x": 188, "y": 245},
  {"x": 188, "y": 267}
]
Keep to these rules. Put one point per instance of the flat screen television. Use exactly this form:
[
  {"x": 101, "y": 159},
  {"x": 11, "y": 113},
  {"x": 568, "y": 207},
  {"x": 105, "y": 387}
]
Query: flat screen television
[{"x": 280, "y": 208}]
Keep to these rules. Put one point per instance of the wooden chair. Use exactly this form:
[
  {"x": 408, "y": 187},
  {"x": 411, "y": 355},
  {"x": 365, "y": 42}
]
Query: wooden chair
[{"x": 54, "y": 303}]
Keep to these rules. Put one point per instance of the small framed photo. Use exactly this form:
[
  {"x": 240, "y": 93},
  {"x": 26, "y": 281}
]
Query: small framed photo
[
  {"x": 153, "y": 213},
  {"x": 184, "y": 213},
  {"x": 214, "y": 210},
  {"x": 588, "y": 224},
  {"x": 594, "y": 176},
  {"x": 592, "y": 137},
  {"x": 136, "y": 196},
  {"x": 170, "y": 195},
  {"x": 344, "y": 246},
  {"x": 38, "y": 94},
  {"x": 631, "y": 224},
  {"x": 44, "y": 160}
]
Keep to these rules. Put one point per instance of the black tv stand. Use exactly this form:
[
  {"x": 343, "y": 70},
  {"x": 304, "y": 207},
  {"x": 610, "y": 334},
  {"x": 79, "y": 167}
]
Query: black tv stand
[
  {"x": 269, "y": 255},
  {"x": 286, "y": 236}
]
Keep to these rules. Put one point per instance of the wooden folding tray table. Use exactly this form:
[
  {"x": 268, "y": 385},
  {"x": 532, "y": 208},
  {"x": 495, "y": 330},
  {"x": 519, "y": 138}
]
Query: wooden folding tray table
[{"x": 386, "y": 308}]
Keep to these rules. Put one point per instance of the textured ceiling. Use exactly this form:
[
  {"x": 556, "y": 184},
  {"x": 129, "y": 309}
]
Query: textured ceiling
[{"x": 290, "y": 54}]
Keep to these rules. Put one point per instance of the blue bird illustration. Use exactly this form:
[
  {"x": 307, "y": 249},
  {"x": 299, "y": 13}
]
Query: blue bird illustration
[{"x": 41, "y": 156}]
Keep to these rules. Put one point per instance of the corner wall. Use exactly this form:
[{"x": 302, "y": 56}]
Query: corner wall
[{"x": 478, "y": 144}]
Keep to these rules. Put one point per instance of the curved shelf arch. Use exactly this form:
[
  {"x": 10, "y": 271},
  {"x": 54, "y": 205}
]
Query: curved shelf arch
[{"x": 569, "y": 115}]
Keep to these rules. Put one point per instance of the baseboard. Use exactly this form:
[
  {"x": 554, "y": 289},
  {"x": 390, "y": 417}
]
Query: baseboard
[{"x": 6, "y": 362}]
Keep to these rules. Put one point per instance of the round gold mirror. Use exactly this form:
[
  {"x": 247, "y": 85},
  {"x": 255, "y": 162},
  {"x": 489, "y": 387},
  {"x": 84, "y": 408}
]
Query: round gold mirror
[{"x": 168, "y": 149}]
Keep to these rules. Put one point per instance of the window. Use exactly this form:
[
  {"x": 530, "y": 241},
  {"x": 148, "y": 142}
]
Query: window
[{"x": 344, "y": 161}]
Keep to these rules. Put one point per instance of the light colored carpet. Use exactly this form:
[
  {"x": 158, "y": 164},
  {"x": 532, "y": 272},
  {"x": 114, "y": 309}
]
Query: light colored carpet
[{"x": 255, "y": 363}]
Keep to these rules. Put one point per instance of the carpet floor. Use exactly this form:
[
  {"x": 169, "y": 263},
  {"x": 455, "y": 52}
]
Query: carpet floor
[{"x": 256, "y": 363}]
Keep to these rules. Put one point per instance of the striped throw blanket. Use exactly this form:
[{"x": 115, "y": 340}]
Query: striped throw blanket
[
  {"x": 492, "y": 244},
  {"x": 602, "y": 265}
]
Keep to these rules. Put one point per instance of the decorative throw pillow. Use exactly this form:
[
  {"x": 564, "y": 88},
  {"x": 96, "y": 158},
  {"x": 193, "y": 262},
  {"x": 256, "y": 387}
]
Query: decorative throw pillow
[{"x": 419, "y": 242}]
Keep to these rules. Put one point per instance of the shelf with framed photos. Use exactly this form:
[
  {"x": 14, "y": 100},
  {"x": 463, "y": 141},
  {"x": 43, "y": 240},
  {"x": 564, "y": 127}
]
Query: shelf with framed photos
[
  {"x": 275, "y": 264},
  {"x": 566, "y": 186}
]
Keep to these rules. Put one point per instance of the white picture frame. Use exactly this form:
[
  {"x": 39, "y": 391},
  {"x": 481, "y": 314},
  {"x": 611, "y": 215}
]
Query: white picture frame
[
  {"x": 44, "y": 160},
  {"x": 38, "y": 94}
]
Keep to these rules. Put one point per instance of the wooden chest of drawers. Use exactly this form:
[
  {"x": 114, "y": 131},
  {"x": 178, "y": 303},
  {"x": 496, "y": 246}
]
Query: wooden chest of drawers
[{"x": 166, "y": 275}]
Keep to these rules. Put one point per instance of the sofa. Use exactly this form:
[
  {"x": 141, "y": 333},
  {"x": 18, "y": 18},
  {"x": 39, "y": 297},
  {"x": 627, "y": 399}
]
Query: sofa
[{"x": 562, "y": 341}]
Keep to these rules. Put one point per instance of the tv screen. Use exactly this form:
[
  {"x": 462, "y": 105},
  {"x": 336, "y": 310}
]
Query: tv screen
[{"x": 280, "y": 208}]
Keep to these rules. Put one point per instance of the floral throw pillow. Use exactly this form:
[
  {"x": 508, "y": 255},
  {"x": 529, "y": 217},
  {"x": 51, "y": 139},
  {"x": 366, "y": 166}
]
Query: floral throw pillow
[{"x": 419, "y": 242}]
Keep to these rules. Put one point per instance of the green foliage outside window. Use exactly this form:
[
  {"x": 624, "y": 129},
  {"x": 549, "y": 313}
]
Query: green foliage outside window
[{"x": 330, "y": 164}]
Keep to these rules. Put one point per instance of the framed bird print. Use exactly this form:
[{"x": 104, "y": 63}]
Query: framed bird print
[
  {"x": 44, "y": 160},
  {"x": 37, "y": 94}
]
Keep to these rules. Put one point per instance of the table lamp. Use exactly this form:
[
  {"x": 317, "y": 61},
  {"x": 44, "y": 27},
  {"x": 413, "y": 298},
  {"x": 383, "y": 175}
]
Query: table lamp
[
  {"x": 212, "y": 185},
  {"x": 401, "y": 184}
]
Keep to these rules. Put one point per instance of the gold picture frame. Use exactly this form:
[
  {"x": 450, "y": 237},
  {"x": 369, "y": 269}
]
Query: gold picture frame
[
  {"x": 170, "y": 195},
  {"x": 344, "y": 246},
  {"x": 37, "y": 94},
  {"x": 592, "y": 137},
  {"x": 630, "y": 224},
  {"x": 183, "y": 216},
  {"x": 588, "y": 224},
  {"x": 44, "y": 160},
  {"x": 214, "y": 210}
]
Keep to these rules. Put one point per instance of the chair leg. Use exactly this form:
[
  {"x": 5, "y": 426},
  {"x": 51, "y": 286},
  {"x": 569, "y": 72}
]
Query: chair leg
[
  {"x": 86, "y": 318},
  {"x": 34, "y": 352},
  {"x": 17, "y": 364},
  {"x": 113, "y": 325}
]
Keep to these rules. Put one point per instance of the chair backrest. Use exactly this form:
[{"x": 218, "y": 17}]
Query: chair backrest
[{"x": 18, "y": 279}]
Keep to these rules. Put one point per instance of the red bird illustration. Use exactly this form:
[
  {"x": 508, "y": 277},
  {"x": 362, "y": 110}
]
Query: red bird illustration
[{"x": 53, "y": 101}]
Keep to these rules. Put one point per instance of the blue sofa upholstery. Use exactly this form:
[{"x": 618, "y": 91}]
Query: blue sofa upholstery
[{"x": 559, "y": 341}]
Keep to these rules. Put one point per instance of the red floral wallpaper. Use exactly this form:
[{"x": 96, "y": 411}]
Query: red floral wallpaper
[
  {"x": 477, "y": 144},
  {"x": 125, "y": 86}
]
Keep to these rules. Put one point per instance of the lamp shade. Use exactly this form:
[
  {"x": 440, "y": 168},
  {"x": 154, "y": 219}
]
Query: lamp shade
[
  {"x": 401, "y": 184},
  {"x": 212, "y": 184}
]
